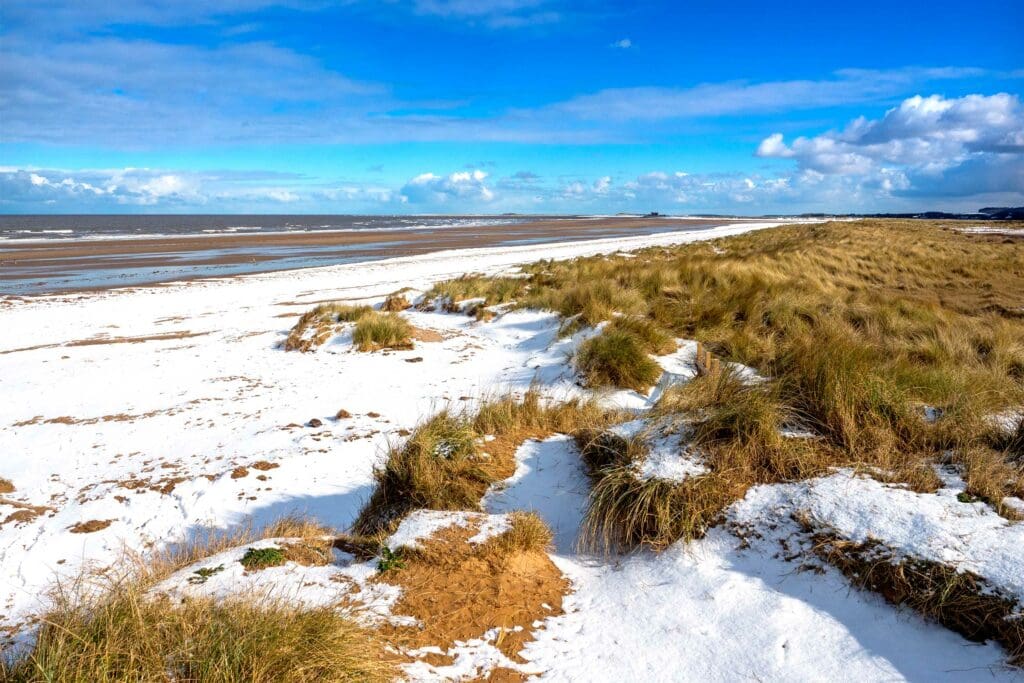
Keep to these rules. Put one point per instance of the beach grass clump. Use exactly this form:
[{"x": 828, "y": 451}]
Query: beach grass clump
[
  {"x": 375, "y": 331},
  {"x": 616, "y": 358},
  {"x": 395, "y": 303},
  {"x": 439, "y": 467},
  {"x": 127, "y": 635},
  {"x": 652, "y": 338},
  {"x": 447, "y": 464},
  {"x": 488, "y": 291},
  {"x": 527, "y": 533},
  {"x": 625, "y": 512},
  {"x": 110, "y": 626},
  {"x": 991, "y": 476},
  {"x": 735, "y": 427},
  {"x": 315, "y": 326},
  {"x": 960, "y": 600}
]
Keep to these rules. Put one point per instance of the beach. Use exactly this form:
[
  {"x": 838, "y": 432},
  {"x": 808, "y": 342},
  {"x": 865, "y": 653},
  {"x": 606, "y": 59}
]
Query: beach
[
  {"x": 136, "y": 418},
  {"x": 98, "y": 260}
]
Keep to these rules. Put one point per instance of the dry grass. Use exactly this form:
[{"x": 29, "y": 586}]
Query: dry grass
[
  {"x": 959, "y": 600},
  {"x": 6, "y": 486},
  {"x": 493, "y": 291},
  {"x": 109, "y": 628},
  {"x": 395, "y": 303},
  {"x": 375, "y": 331},
  {"x": 992, "y": 476},
  {"x": 651, "y": 337},
  {"x": 527, "y": 533},
  {"x": 616, "y": 358},
  {"x": 439, "y": 467},
  {"x": 445, "y": 464},
  {"x": 857, "y": 340},
  {"x": 315, "y": 326},
  {"x": 127, "y": 636}
]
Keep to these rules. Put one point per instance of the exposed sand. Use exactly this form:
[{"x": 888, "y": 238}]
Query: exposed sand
[{"x": 29, "y": 267}]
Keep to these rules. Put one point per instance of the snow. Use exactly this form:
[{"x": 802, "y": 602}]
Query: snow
[
  {"x": 470, "y": 657},
  {"x": 667, "y": 454},
  {"x": 422, "y": 524},
  {"x": 670, "y": 458},
  {"x": 343, "y": 583},
  {"x": 931, "y": 526},
  {"x": 548, "y": 480},
  {"x": 721, "y": 610},
  {"x": 147, "y": 435}
]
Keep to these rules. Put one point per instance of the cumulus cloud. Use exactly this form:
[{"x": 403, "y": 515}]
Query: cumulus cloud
[
  {"x": 925, "y": 142},
  {"x": 138, "y": 189},
  {"x": 623, "y": 44},
  {"x": 462, "y": 186}
]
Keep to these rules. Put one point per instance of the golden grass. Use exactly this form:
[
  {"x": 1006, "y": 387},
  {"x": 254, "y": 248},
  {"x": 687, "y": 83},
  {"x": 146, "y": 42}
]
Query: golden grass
[
  {"x": 859, "y": 327},
  {"x": 109, "y": 628},
  {"x": 375, "y": 331},
  {"x": 959, "y": 600},
  {"x": 395, "y": 303},
  {"x": 445, "y": 464},
  {"x": 128, "y": 636},
  {"x": 315, "y": 326},
  {"x": 617, "y": 358},
  {"x": 527, "y": 533}
]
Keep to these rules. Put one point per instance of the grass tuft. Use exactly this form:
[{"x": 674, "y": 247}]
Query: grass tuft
[
  {"x": 375, "y": 331},
  {"x": 619, "y": 359},
  {"x": 527, "y": 533},
  {"x": 395, "y": 303},
  {"x": 317, "y": 325},
  {"x": 959, "y": 600},
  {"x": 110, "y": 628},
  {"x": 261, "y": 558},
  {"x": 126, "y": 635},
  {"x": 652, "y": 338},
  {"x": 446, "y": 465},
  {"x": 438, "y": 468}
]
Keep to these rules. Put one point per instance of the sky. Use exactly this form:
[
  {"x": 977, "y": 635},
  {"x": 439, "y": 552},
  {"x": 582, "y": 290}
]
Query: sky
[{"x": 494, "y": 106}]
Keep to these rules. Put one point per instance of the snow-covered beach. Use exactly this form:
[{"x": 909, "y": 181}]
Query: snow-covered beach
[{"x": 133, "y": 418}]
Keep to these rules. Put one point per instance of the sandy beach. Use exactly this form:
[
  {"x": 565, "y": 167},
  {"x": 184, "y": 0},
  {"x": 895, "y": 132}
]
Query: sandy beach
[
  {"x": 33, "y": 266},
  {"x": 134, "y": 418}
]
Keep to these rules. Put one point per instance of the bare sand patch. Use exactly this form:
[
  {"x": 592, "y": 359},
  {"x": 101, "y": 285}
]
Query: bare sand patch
[
  {"x": 91, "y": 526},
  {"x": 458, "y": 591}
]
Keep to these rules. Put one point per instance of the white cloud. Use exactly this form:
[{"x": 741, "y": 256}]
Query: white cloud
[
  {"x": 919, "y": 144},
  {"x": 461, "y": 186},
  {"x": 849, "y": 86},
  {"x": 773, "y": 146},
  {"x": 124, "y": 188},
  {"x": 623, "y": 44}
]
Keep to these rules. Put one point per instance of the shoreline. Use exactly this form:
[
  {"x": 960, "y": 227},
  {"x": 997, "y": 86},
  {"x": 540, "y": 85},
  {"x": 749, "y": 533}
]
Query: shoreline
[{"x": 62, "y": 266}]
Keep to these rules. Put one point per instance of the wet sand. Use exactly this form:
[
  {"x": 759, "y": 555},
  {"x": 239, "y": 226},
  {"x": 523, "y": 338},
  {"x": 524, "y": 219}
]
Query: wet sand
[{"x": 74, "y": 264}]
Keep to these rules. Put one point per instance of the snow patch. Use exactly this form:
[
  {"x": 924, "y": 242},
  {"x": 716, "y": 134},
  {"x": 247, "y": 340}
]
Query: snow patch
[{"x": 422, "y": 524}]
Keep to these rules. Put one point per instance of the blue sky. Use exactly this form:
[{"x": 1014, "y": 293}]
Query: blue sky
[{"x": 452, "y": 106}]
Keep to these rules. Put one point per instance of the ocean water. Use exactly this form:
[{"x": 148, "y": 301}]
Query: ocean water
[
  {"x": 58, "y": 227},
  {"x": 46, "y": 254}
]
